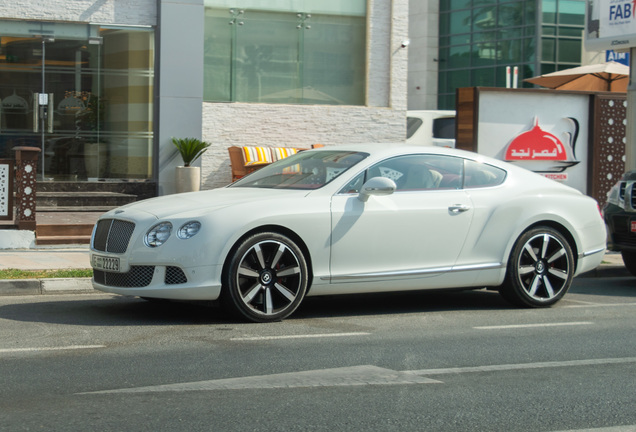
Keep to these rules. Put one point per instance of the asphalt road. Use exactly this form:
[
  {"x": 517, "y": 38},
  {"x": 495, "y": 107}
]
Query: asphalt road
[{"x": 453, "y": 361}]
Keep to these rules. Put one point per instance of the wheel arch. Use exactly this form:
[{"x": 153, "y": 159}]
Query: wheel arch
[{"x": 278, "y": 229}]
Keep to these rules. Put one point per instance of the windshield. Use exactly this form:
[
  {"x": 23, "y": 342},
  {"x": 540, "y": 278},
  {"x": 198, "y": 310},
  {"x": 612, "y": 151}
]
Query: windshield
[{"x": 304, "y": 170}]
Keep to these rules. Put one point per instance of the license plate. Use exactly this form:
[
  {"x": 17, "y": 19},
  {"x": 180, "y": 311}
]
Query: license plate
[{"x": 105, "y": 263}]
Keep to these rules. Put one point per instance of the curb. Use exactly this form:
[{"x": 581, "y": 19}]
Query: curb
[{"x": 21, "y": 287}]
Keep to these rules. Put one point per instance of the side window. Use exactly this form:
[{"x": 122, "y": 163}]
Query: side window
[
  {"x": 414, "y": 173},
  {"x": 479, "y": 175},
  {"x": 353, "y": 187}
]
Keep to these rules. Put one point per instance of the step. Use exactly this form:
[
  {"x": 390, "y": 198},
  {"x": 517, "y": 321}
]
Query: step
[
  {"x": 63, "y": 240},
  {"x": 59, "y": 234},
  {"x": 46, "y": 230},
  {"x": 83, "y": 199}
]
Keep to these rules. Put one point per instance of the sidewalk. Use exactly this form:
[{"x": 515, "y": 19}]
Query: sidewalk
[
  {"x": 76, "y": 257},
  {"x": 45, "y": 258}
]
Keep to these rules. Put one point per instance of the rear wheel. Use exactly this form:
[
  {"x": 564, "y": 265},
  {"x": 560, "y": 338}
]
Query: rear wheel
[
  {"x": 540, "y": 269},
  {"x": 266, "y": 278},
  {"x": 629, "y": 258}
]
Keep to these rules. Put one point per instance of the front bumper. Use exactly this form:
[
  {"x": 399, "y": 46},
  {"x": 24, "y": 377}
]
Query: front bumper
[
  {"x": 162, "y": 281},
  {"x": 621, "y": 229}
]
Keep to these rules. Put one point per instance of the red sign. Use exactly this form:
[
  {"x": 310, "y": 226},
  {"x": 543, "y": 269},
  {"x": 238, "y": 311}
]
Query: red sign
[{"x": 536, "y": 144}]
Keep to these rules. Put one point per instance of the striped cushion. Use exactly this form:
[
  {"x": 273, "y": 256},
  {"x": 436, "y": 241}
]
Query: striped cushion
[
  {"x": 257, "y": 155},
  {"x": 283, "y": 152}
]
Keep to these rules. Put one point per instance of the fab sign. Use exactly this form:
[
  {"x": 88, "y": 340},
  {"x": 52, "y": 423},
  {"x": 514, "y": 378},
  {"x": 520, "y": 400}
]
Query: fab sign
[{"x": 622, "y": 11}]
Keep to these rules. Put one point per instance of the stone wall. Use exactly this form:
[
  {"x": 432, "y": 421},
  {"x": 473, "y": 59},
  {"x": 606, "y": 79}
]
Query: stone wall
[
  {"x": 225, "y": 125},
  {"x": 130, "y": 12}
]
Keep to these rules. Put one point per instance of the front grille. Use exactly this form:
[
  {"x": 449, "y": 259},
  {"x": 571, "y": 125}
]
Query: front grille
[
  {"x": 175, "y": 276},
  {"x": 137, "y": 277},
  {"x": 113, "y": 235}
]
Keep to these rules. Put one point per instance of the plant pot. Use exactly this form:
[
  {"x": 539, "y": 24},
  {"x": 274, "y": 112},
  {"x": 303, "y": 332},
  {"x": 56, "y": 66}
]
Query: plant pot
[{"x": 188, "y": 179}]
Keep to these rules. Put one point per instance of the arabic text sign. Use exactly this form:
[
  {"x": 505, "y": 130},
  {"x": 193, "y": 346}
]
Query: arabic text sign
[{"x": 545, "y": 132}]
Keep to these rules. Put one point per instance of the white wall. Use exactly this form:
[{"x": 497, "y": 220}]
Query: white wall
[
  {"x": 130, "y": 12},
  {"x": 382, "y": 120},
  {"x": 423, "y": 54}
]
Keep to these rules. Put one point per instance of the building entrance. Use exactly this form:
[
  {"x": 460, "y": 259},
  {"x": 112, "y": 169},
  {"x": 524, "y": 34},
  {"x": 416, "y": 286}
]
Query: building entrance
[{"x": 68, "y": 89}]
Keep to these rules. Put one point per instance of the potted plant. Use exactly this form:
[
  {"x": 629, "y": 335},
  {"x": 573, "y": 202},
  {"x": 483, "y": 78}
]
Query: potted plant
[{"x": 187, "y": 177}]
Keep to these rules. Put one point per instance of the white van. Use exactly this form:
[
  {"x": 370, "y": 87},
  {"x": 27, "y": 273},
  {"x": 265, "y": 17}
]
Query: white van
[{"x": 429, "y": 127}]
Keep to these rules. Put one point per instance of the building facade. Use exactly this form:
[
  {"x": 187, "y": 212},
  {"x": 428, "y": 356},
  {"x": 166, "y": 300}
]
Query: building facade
[
  {"x": 478, "y": 39},
  {"x": 103, "y": 87}
]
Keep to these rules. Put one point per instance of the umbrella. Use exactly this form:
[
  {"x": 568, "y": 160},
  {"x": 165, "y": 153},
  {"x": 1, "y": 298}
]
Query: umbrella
[{"x": 610, "y": 76}]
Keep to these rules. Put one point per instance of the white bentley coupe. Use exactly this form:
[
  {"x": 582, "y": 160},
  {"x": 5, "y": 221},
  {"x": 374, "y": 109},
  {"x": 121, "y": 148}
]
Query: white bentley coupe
[{"x": 353, "y": 219}]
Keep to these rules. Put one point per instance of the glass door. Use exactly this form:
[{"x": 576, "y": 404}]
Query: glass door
[{"x": 50, "y": 96}]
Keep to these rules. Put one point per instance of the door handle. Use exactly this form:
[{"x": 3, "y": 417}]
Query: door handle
[{"x": 458, "y": 208}]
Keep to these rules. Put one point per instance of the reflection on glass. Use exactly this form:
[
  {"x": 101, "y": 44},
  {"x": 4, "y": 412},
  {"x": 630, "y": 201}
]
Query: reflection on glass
[
  {"x": 272, "y": 56},
  {"x": 83, "y": 95}
]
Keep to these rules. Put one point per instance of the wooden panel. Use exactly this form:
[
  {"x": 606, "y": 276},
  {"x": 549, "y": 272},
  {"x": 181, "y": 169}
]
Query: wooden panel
[
  {"x": 466, "y": 125},
  {"x": 607, "y": 155}
]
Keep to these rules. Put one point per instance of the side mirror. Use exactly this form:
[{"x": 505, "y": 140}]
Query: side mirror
[{"x": 377, "y": 186}]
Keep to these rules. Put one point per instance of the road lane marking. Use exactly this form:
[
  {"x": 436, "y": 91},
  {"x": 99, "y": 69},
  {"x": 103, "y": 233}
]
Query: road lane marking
[
  {"x": 521, "y": 366},
  {"x": 63, "y": 348},
  {"x": 516, "y": 326},
  {"x": 303, "y": 336},
  {"x": 338, "y": 377},
  {"x": 589, "y": 305},
  {"x": 349, "y": 376}
]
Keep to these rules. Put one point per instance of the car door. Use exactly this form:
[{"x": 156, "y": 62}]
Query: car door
[{"x": 418, "y": 231}]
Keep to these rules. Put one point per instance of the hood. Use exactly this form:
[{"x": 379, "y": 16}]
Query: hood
[{"x": 180, "y": 205}]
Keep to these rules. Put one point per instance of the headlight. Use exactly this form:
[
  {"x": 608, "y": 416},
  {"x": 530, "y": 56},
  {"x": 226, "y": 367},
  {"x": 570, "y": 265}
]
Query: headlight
[
  {"x": 188, "y": 230},
  {"x": 158, "y": 234}
]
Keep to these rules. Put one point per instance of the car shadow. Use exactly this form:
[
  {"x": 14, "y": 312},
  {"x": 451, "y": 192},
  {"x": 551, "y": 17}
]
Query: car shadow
[
  {"x": 400, "y": 303},
  {"x": 126, "y": 311}
]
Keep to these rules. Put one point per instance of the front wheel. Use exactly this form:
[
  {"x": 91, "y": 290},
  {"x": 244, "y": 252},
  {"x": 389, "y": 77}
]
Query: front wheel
[
  {"x": 540, "y": 269},
  {"x": 266, "y": 278}
]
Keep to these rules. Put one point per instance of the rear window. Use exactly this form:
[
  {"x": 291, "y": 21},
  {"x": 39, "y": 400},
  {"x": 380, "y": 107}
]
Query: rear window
[{"x": 444, "y": 127}]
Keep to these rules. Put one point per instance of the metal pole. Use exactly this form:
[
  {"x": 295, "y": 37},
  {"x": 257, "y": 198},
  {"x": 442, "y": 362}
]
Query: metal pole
[
  {"x": 40, "y": 107},
  {"x": 630, "y": 133}
]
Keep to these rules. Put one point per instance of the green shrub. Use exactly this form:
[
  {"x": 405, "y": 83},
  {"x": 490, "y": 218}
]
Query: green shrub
[{"x": 190, "y": 148}]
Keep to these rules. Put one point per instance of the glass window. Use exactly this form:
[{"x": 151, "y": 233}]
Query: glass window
[
  {"x": 511, "y": 51},
  {"x": 484, "y": 77},
  {"x": 459, "y": 56},
  {"x": 549, "y": 10},
  {"x": 548, "y": 49},
  {"x": 569, "y": 51},
  {"x": 304, "y": 170},
  {"x": 412, "y": 125},
  {"x": 480, "y": 175},
  {"x": 460, "y": 22},
  {"x": 99, "y": 82},
  {"x": 420, "y": 172},
  {"x": 572, "y": 12},
  {"x": 456, "y": 4},
  {"x": 274, "y": 54}
]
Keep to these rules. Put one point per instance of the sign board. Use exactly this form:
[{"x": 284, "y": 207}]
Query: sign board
[
  {"x": 540, "y": 130},
  {"x": 610, "y": 24},
  {"x": 618, "y": 57},
  {"x": 6, "y": 189}
]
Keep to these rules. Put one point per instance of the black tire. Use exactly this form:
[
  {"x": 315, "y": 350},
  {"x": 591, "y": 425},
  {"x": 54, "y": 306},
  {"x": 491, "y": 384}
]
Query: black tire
[
  {"x": 266, "y": 278},
  {"x": 629, "y": 259},
  {"x": 540, "y": 269}
]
